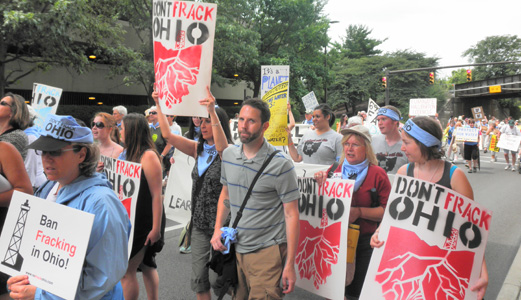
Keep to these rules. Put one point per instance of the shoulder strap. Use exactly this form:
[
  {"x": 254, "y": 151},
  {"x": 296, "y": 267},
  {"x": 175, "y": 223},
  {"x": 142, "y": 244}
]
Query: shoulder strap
[{"x": 239, "y": 213}]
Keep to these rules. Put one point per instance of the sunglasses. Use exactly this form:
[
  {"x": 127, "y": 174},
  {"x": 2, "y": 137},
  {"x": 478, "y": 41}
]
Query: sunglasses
[
  {"x": 100, "y": 125},
  {"x": 4, "y": 103},
  {"x": 152, "y": 113},
  {"x": 52, "y": 153}
]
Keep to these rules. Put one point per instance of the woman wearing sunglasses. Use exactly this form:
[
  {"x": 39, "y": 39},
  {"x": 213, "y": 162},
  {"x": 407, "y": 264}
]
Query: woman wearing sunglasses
[
  {"x": 14, "y": 119},
  {"x": 149, "y": 223},
  {"x": 104, "y": 131},
  {"x": 215, "y": 136},
  {"x": 69, "y": 159}
]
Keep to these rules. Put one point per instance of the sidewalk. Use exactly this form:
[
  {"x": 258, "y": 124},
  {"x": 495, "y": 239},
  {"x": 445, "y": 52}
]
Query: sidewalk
[{"x": 511, "y": 289}]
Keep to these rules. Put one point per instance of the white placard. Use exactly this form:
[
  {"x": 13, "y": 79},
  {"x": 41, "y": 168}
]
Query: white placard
[
  {"x": 178, "y": 193},
  {"x": 310, "y": 101},
  {"x": 422, "y": 107},
  {"x": 509, "y": 142},
  {"x": 467, "y": 134},
  {"x": 434, "y": 246},
  {"x": 271, "y": 76},
  {"x": 372, "y": 111},
  {"x": 297, "y": 132},
  {"x": 45, "y": 101},
  {"x": 125, "y": 179},
  {"x": 183, "y": 34},
  {"x": 46, "y": 241}
]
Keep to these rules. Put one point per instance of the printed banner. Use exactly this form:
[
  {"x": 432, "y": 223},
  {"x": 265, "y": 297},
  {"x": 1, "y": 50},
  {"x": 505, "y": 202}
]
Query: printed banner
[
  {"x": 322, "y": 248},
  {"x": 509, "y": 142},
  {"x": 297, "y": 132},
  {"x": 178, "y": 193},
  {"x": 434, "y": 245},
  {"x": 310, "y": 101},
  {"x": 477, "y": 113},
  {"x": 275, "y": 92},
  {"x": 45, "y": 241},
  {"x": 372, "y": 110},
  {"x": 422, "y": 107},
  {"x": 308, "y": 170},
  {"x": 45, "y": 101},
  {"x": 184, "y": 34},
  {"x": 125, "y": 178},
  {"x": 467, "y": 134},
  {"x": 493, "y": 144}
]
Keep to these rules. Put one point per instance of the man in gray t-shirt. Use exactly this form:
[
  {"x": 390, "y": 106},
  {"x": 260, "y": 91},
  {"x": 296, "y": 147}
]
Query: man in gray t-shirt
[{"x": 387, "y": 146}]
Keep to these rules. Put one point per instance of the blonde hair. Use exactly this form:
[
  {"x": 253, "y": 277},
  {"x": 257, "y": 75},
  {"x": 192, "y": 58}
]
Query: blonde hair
[{"x": 369, "y": 153}]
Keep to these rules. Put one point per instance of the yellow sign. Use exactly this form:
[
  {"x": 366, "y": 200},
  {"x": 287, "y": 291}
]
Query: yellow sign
[
  {"x": 493, "y": 143},
  {"x": 494, "y": 89},
  {"x": 277, "y": 99}
]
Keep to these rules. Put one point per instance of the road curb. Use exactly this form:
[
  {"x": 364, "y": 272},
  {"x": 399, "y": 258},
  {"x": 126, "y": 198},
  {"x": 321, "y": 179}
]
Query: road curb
[{"x": 511, "y": 288}]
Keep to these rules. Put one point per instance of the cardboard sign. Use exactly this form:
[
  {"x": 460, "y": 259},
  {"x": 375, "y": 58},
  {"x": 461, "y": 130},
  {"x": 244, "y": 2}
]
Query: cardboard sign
[
  {"x": 275, "y": 92},
  {"x": 178, "y": 193},
  {"x": 509, "y": 142},
  {"x": 477, "y": 113},
  {"x": 297, "y": 132},
  {"x": 310, "y": 101},
  {"x": 372, "y": 110},
  {"x": 467, "y": 134},
  {"x": 435, "y": 242},
  {"x": 45, "y": 241},
  {"x": 183, "y": 35},
  {"x": 125, "y": 178},
  {"x": 322, "y": 248},
  {"x": 422, "y": 107},
  {"x": 45, "y": 101}
]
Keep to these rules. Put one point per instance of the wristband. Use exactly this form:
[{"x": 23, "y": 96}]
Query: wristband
[{"x": 216, "y": 124}]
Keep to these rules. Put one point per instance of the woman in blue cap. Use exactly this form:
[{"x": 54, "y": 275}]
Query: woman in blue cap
[
  {"x": 69, "y": 160},
  {"x": 422, "y": 144}
]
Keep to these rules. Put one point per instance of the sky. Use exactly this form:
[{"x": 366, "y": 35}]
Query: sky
[{"x": 443, "y": 29}]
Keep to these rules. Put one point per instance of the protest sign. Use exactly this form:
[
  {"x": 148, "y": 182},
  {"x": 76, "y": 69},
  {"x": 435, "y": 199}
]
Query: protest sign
[
  {"x": 275, "y": 92},
  {"x": 434, "y": 245},
  {"x": 509, "y": 142},
  {"x": 297, "y": 132},
  {"x": 178, "y": 193},
  {"x": 372, "y": 110},
  {"x": 467, "y": 134},
  {"x": 234, "y": 130},
  {"x": 183, "y": 34},
  {"x": 310, "y": 101},
  {"x": 422, "y": 107},
  {"x": 493, "y": 143},
  {"x": 125, "y": 178},
  {"x": 308, "y": 170},
  {"x": 45, "y": 101},
  {"x": 477, "y": 113},
  {"x": 45, "y": 241},
  {"x": 322, "y": 247}
]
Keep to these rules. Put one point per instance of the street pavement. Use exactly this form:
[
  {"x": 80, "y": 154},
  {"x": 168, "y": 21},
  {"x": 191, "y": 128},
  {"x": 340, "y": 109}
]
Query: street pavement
[{"x": 497, "y": 189}]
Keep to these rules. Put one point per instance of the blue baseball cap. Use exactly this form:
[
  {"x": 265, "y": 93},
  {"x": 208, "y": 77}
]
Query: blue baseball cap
[{"x": 60, "y": 131}]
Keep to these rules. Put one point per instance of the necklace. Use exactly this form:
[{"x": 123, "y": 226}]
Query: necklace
[{"x": 433, "y": 174}]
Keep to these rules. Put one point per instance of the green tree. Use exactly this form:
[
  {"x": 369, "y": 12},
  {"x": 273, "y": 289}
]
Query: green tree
[
  {"x": 495, "y": 49},
  {"x": 40, "y": 34},
  {"x": 357, "y": 44},
  {"x": 251, "y": 33}
]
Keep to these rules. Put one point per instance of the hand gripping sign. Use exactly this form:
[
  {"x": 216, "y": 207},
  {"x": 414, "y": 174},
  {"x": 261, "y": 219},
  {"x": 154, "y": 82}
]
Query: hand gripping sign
[{"x": 434, "y": 244}]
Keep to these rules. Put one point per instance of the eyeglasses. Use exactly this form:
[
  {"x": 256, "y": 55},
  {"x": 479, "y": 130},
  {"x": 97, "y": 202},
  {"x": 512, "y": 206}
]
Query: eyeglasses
[
  {"x": 100, "y": 125},
  {"x": 171, "y": 116},
  {"x": 4, "y": 103},
  {"x": 52, "y": 153},
  {"x": 152, "y": 113},
  {"x": 354, "y": 146}
]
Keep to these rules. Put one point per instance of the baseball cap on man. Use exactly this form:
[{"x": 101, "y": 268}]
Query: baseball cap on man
[
  {"x": 309, "y": 111},
  {"x": 360, "y": 130},
  {"x": 511, "y": 122},
  {"x": 60, "y": 131}
]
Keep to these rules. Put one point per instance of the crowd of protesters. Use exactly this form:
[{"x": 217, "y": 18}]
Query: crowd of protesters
[{"x": 69, "y": 171}]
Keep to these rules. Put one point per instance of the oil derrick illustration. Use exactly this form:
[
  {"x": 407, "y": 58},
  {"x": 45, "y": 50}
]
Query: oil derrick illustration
[{"x": 13, "y": 259}]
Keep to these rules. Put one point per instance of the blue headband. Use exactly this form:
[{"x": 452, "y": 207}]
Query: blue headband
[
  {"x": 391, "y": 114},
  {"x": 421, "y": 135}
]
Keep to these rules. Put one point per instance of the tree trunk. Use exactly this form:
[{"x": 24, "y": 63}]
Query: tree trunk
[{"x": 3, "y": 54}]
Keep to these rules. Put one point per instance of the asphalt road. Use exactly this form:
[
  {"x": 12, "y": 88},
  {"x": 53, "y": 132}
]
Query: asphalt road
[{"x": 497, "y": 189}]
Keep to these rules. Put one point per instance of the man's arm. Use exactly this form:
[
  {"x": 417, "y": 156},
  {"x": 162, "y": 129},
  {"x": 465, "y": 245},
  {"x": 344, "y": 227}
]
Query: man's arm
[
  {"x": 291, "y": 217},
  {"x": 223, "y": 209}
]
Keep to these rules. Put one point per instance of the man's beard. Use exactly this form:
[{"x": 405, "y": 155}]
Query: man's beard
[{"x": 252, "y": 137}]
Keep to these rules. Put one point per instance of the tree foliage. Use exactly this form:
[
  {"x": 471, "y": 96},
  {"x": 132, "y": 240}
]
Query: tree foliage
[
  {"x": 495, "y": 49},
  {"x": 357, "y": 44},
  {"x": 39, "y": 34}
]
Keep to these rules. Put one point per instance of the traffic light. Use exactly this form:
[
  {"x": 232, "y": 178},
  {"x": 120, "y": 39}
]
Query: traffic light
[
  {"x": 469, "y": 75},
  {"x": 384, "y": 82},
  {"x": 431, "y": 78}
]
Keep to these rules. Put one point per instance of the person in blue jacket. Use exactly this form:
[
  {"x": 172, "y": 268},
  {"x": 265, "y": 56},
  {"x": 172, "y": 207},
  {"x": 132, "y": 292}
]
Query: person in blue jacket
[{"x": 69, "y": 159}]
